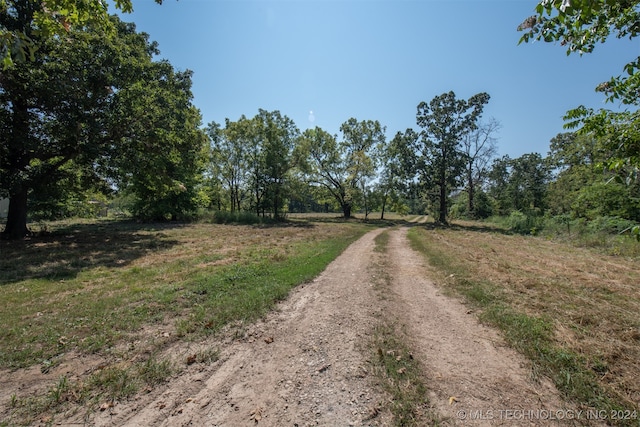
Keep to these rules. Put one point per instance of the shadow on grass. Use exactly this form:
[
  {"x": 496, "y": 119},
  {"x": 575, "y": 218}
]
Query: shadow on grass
[
  {"x": 67, "y": 250},
  {"x": 467, "y": 226}
]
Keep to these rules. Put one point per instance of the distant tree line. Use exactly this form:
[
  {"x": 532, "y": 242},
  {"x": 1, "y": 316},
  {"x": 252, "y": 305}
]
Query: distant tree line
[{"x": 93, "y": 120}]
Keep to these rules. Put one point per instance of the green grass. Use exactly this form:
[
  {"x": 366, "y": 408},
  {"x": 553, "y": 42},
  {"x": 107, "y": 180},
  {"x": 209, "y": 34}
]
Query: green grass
[
  {"x": 533, "y": 335},
  {"x": 97, "y": 306}
]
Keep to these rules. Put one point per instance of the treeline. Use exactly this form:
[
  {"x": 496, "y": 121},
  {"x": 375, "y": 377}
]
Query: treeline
[{"x": 94, "y": 122}]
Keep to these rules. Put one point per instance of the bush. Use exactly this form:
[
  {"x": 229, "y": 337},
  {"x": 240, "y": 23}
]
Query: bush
[
  {"x": 522, "y": 223},
  {"x": 610, "y": 225},
  {"x": 237, "y": 217}
]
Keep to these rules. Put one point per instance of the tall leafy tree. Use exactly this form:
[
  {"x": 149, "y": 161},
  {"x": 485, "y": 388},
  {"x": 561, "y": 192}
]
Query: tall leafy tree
[
  {"x": 229, "y": 156},
  {"x": 582, "y": 187},
  {"x": 278, "y": 135},
  {"x": 520, "y": 184},
  {"x": 445, "y": 121},
  {"x": 398, "y": 166},
  {"x": 91, "y": 101},
  {"x": 323, "y": 163},
  {"x": 340, "y": 167}
]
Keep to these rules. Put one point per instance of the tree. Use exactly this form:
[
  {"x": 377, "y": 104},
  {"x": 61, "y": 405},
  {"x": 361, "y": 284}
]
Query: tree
[
  {"x": 47, "y": 19},
  {"x": 445, "y": 121},
  {"x": 582, "y": 186},
  {"x": 99, "y": 102},
  {"x": 398, "y": 161},
  {"x": 580, "y": 25},
  {"x": 229, "y": 156},
  {"x": 278, "y": 135},
  {"x": 520, "y": 184},
  {"x": 479, "y": 147},
  {"x": 341, "y": 167},
  {"x": 498, "y": 184}
]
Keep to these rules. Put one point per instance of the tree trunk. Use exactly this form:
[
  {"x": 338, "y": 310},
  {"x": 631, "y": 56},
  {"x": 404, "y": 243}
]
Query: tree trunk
[
  {"x": 384, "y": 204},
  {"x": 346, "y": 210},
  {"x": 443, "y": 203},
  {"x": 16, "y": 227},
  {"x": 471, "y": 190}
]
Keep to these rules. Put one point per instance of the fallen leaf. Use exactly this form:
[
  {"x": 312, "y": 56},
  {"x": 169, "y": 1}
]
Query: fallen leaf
[
  {"x": 106, "y": 405},
  {"x": 452, "y": 399},
  {"x": 402, "y": 370},
  {"x": 256, "y": 414},
  {"x": 268, "y": 340},
  {"x": 323, "y": 368},
  {"x": 192, "y": 359}
]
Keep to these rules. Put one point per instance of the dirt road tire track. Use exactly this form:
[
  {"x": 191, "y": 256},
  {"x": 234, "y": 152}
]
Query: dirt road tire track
[
  {"x": 307, "y": 363},
  {"x": 490, "y": 383}
]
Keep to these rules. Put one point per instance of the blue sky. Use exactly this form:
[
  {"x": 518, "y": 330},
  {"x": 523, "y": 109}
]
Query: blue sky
[{"x": 321, "y": 62}]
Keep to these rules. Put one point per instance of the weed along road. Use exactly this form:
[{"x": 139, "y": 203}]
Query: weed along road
[{"x": 324, "y": 358}]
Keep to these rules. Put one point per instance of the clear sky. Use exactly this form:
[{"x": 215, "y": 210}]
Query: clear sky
[{"x": 321, "y": 62}]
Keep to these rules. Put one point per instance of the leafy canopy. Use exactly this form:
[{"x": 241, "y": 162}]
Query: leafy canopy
[{"x": 49, "y": 18}]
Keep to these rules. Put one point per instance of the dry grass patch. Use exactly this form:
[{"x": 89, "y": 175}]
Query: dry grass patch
[{"x": 582, "y": 305}]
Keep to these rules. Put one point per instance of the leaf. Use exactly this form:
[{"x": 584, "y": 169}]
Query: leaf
[
  {"x": 256, "y": 414},
  {"x": 106, "y": 405},
  {"x": 452, "y": 400}
]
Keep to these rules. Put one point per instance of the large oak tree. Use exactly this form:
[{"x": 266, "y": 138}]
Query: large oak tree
[
  {"x": 95, "y": 100},
  {"x": 445, "y": 121}
]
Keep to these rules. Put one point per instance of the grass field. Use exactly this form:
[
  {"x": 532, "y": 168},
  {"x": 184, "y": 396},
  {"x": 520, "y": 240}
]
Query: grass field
[
  {"x": 574, "y": 312},
  {"x": 125, "y": 291}
]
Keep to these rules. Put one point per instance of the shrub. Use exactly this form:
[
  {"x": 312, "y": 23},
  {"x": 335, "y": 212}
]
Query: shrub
[{"x": 522, "y": 223}]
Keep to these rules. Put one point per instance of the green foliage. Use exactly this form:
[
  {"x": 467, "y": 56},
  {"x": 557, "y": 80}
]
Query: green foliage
[
  {"x": 610, "y": 225},
  {"x": 251, "y": 161},
  {"x": 93, "y": 113},
  {"x": 56, "y": 19},
  {"x": 483, "y": 206},
  {"x": 341, "y": 168},
  {"x": 519, "y": 184},
  {"x": 522, "y": 223},
  {"x": 580, "y": 25},
  {"x": 440, "y": 161}
]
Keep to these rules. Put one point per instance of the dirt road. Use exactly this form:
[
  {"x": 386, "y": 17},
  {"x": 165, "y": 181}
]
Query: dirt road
[{"x": 309, "y": 362}]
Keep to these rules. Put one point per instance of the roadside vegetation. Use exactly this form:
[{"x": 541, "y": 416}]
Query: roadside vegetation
[
  {"x": 571, "y": 310},
  {"x": 118, "y": 293}
]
